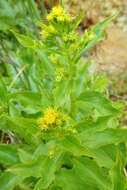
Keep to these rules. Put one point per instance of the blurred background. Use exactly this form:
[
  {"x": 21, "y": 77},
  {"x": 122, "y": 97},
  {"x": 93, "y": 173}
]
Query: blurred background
[{"x": 109, "y": 57}]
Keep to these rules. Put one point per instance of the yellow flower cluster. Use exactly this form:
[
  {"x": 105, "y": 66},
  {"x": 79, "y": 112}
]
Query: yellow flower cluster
[
  {"x": 47, "y": 31},
  {"x": 72, "y": 36},
  {"x": 59, "y": 14},
  {"x": 53, "y": 58},
  {"x": 51, "y": 152},
  {"x": 60, "y": 73},
  {"x": 51, "y": 118},
  {"x": 89, "y": 35}
]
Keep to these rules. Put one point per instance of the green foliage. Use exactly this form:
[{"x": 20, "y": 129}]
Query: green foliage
[{"x": 66, "y": 132}]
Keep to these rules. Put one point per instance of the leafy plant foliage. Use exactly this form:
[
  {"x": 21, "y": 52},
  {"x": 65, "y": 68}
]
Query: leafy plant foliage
[{"x": 66, "y": 132}]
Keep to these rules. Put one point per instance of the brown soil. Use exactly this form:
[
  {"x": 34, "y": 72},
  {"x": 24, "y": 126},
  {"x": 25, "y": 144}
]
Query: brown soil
[{"x": 111, "y": 54}]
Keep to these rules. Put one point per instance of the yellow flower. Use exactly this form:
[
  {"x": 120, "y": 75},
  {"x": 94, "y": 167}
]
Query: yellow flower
[
  {"x": 42, "y": 124},
  {"x": 68, "y": 18},
  {"x": 64, "y": 117},
  {"x": 72, "y": 36},
  {"x": 58, "y": 122},
  {"x": 51, "y": 29},
  {"x": 52, "y": 152},
  {"x": 59, "y": 14},
  {"x": 44, "y": 35},
  {"x": 92, "y": 36},
  {"x": 61, "y": 18},
  {"x": 53, "y": 58},
  {"x": 50, "y": 17},
  {"x": 65, "y": 38},
  {"x": 51, "y": 118},
  {"x": 89, "y": 35},
  {"x": 60, "y": 73},
  {"x": 58, "y": 11}
]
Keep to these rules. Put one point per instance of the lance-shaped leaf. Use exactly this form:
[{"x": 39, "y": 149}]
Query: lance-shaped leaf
[
  {"x": 48, "y": 172},
  {"x": 44, "y": 149},
  {"x": 70, "y": 180},
  {"x": 79, "y": 82},
  {"x": 72, "y": 144},
  {"x": 28, "y": 170},
  {"x": 61, "y": 92},
  {"x": 28, "y": 102},
  {"x": 89, "y": 127},
  {"x": 34, "y": 12},
  {"x": 117, "y": 173},
  {"x": 25, "y": 128},
  {"x": 105, "y": 156},
  {"x": 8, "y": 181},
  {"x": 106, "y": 137},
  {"x": 47, "y": 65},
  {"x": 9, "y": 154},
  {"x": 77, "y": 21},
  {"x": 25, "y": 156},
  {"x": 34, "y": 154},
  {"x": 3, "y": 91},
  {"x": 97, "y": 101},
  {"x": 85, "y": 174},
  {"x": 89, "y": 171},
  {"x": 98, "y": 30},
  {"x": 26, "y": 41}
]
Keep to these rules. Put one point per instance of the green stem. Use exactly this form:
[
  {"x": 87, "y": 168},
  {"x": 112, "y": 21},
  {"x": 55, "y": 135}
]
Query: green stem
[
  {"x": 51, "y": 3},
  {"x": 43, "y": 10},
  {"x": 2, "y": 137},
  {"x": 70, "y": 80},
  {"x": 61, "y": 2}
]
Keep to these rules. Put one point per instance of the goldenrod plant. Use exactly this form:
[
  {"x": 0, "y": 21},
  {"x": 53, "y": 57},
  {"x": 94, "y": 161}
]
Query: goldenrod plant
[{"x": 66, "y": 132}]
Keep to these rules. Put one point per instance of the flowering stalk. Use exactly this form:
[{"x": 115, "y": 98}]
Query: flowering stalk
[{"x": 71, "y": 127}]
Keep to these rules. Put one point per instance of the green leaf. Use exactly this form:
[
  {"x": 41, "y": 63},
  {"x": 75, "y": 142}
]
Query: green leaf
[
  {"x": 72, "y": 145},
  {"x": 25, "y": 128},
  {"x": 100, "y": 83},
  {"x": 3, "y": 91},
  {"x": 70, "y": 180},
  {"x": 77, "y": 21},
  {"x": 43, "y": 10},
  {"x": 88, "y": 170},
  {"x": 99, "y": 27},
  {"x": 106, "y": 137},
  {"x": 98, "y": 30},
  {"x": 51, "y": 3},
  {"x": 27, "y": 170},
  {"x": 85, "y": 174},
  {"x": 61, "y": 2},
  {"x": 28, "y": 102},
  {"x": 8, "y": 181},
  {"x": 117, "y": 174},
  {"x": 99, "y": 102},
  {"x": 79, "y": 83},
  {"x": 48, "y": 172},
  {"x": 61, "y": 92},
  {"x": 46, "y": 64},
  {"x": 9, "y": 154},
  {"x": 33, "y": 155},
  {"x": 33, "y": 9},
  {"x": 25, "y": 156},
  {"x": 105, "y": 156},
  {"x": 87, "y": 127},
  {"x": 25, "y": 41},
  {"x": 43, "y": 149}
]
